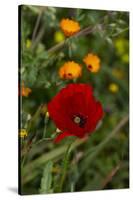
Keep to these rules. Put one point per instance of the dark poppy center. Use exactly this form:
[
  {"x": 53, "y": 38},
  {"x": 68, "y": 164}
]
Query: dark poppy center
[
  {"x": 80, "y": 120},
  {"x": 69, "y": 74},
  {"x": 90, "y": 66}
]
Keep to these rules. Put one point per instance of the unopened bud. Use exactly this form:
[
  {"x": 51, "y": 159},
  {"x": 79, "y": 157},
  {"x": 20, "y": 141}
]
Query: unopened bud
[{"x": 47, "y": 114}]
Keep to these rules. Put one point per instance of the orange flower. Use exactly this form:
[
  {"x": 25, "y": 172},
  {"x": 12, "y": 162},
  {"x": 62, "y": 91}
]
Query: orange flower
[
  {"x": 25, "y": 91},
  {"x": 70, "y": 70},
  {"x": 92, "y": 62},
  {"x": 69, "y": 27}
]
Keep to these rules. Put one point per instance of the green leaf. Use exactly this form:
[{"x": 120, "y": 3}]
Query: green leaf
[
  {"x": 46, "y": 181},
  {"x": 109, "y": 40},
  {"x": 81, "y": 17}
]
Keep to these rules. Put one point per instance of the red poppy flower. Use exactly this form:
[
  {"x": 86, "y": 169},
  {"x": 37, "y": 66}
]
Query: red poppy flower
[{"x": 75, "y": 111}]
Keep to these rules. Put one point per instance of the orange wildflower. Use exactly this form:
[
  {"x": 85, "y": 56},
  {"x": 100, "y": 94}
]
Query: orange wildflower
[
  {"x": 69, "y": 27},
  {"x": 25, "y": 91},
  {"x": 92, "y": 62},
  {"x": 70, "y": 70}
]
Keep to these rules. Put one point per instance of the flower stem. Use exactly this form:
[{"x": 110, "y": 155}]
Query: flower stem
[
  {"x": 45, "y": 126},
  {"x": 65, "y": 166}
]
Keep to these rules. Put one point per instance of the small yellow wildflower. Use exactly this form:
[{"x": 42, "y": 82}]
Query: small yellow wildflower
[
  {"x": 58, "y": 36},
  {"x": 70, "y": 70},
  {"x": 92, "y": 62},
  {"x": 113, "y": 87},
  {"x": 28, "y": 43},
  {"x": 69, "y": 27},
  {"x": 23, "y": 133}
]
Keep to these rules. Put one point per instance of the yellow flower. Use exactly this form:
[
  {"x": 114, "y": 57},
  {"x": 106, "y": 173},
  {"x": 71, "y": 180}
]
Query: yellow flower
[
  {"x": 92, "y": 62},
  {"x": 70, "y": 70},
  {"x": 69, "y": 27},
  {"x": 25, "y": 91},
  {"x": 125, "y": 58},
  {"x": 28, "y": 43},
  {"x": 114, "y": 88},
  {"x": 121, "y": 45},
  {"x": 58, "y": 36},
  {"x": 23, "y": 133}
]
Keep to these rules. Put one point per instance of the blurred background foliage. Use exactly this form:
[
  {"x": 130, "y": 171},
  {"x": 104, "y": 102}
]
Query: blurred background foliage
[{"x": 101, "y": 162}]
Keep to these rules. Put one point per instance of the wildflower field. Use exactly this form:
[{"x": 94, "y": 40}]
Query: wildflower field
[{"x": 73, "y": 100}]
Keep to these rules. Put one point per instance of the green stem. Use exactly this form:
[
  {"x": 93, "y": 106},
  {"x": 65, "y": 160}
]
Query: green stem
[
  {"x": 23, "y": 161},
  {"x": 45, "y": 126},
  {"x": 42, "y": 140},
  {"x": 65, "y": 166},
  {"x": 120, "y": 32}
]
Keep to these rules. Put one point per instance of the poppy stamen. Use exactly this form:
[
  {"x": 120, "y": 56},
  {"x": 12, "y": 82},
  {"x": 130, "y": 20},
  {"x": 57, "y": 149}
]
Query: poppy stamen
[{"x": 79, "y": 120}]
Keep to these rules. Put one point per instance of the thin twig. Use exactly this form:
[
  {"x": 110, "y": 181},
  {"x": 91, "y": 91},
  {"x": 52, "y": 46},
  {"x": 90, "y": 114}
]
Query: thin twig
[
  {"x": 37, "y": 25},
  {"x": 116, "y": 130},
  {"x": 83, "y": 32},
  {"x": 36, "y": 39},
  {"x": 90, "y": 156},
  {"x": 111, "y": 174}
]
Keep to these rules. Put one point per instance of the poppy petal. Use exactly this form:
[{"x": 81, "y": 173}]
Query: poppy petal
[
  {"x": 62, "y": 136},
  {"x": 75, "y": 100}
]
